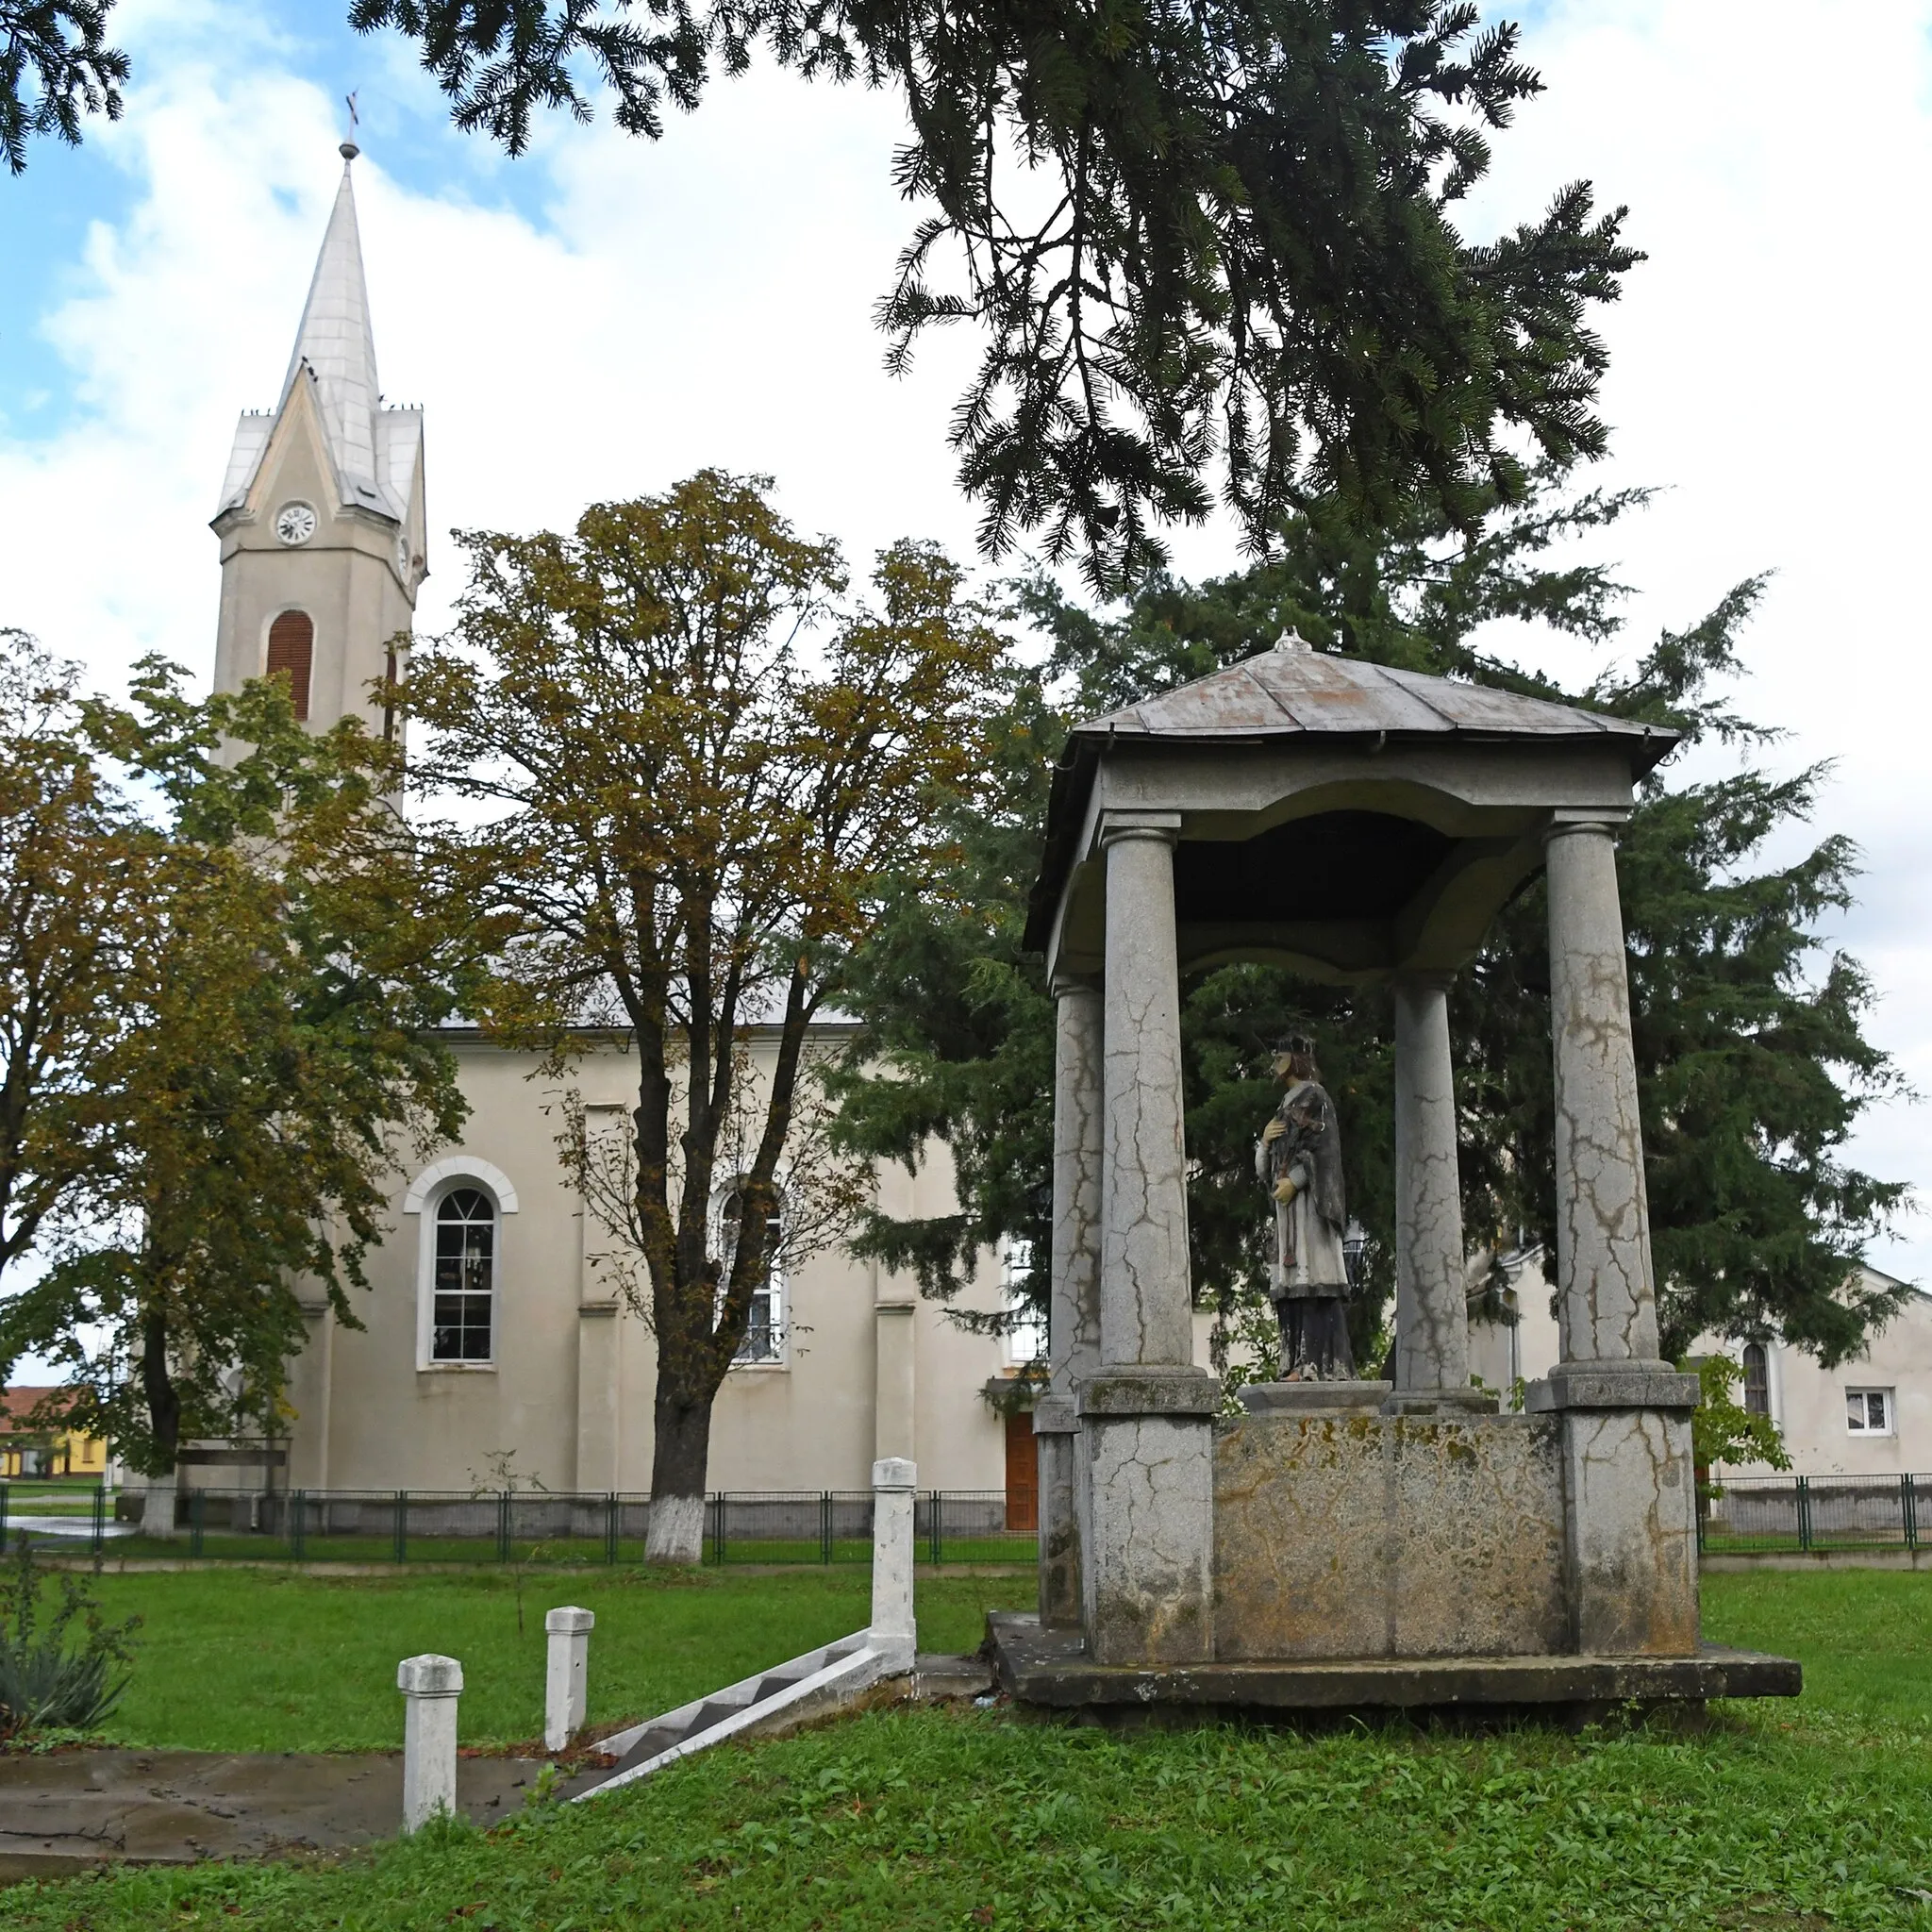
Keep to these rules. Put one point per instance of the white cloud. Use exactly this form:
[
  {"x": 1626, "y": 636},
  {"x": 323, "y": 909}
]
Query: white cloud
[{"x": 707, "y": 299}]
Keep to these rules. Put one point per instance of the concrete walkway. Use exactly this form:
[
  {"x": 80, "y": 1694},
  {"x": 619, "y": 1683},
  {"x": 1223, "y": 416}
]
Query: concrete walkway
[{"x": 76, "y": 1810}]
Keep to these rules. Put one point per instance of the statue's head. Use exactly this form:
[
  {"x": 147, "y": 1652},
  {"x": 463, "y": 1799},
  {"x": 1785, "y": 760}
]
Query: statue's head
[{"x": 1294, "y": 1058}]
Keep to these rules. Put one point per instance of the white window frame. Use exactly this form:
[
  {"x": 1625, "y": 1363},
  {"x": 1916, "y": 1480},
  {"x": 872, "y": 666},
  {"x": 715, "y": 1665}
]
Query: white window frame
[
  {"x": 426, "y": 1194},
  {"x": 1864, "y": 1432},
  {"x": 1016, "y": 1258},
  {"x": 778, "y": 1282}
]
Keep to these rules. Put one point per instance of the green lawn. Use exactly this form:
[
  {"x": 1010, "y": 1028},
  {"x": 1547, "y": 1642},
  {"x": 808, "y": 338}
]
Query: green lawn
[
  {"x": 1813, "y": 1814},
  {"x": 304, "y": 1663}
]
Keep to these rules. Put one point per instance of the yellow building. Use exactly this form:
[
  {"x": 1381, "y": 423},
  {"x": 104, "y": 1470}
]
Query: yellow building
[{"x": 28, "y": 1451}]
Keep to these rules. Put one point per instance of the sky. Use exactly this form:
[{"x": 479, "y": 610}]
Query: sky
[{"x": 606, "y": 315}]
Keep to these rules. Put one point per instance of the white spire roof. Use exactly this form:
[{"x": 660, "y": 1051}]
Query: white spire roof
[
  {"x": 337, "y": 343},
  {"x": 374, "y": 450}
]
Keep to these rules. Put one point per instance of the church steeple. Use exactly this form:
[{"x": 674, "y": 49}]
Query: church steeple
[
  {"x": 321, "y": 518},
  {"x": 338, "y": 346}
]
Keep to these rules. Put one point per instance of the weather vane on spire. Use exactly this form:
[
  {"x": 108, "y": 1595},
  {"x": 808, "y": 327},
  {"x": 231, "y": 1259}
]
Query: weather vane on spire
[{"x": 349, "y": 150}]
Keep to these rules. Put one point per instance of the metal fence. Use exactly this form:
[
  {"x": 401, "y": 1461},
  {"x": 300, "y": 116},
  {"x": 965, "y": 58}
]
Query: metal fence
[
  {"x": 1813, "y": 1512},
  {"x": 820, "y": 1527}
]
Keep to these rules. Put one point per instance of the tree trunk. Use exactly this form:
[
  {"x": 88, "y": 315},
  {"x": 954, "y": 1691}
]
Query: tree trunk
[
  {"x": 157, "y": 1506},
  {"x": 164, "y": 1422},
  {"x": 677, "y": 1481}
]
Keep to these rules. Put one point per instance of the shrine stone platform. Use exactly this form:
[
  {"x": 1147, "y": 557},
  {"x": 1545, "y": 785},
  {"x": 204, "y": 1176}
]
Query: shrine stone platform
[{"x": 1050, "y": 1670}]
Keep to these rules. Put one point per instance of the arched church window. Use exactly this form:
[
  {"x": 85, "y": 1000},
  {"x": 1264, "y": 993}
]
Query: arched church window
[
  {"x": 463, "y": 1320},
  {"x": 291, "y": 648},
  {"x": 1757, "y": 1380},
  {"x": 764, "y": 1333}
]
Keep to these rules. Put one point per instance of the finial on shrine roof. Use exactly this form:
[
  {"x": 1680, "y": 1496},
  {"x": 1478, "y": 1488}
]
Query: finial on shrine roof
[{"x": 1292, "y": 640}]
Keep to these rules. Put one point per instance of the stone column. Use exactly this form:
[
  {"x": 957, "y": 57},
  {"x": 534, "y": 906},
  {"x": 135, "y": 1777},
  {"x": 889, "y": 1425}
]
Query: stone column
[
  {"x": 894, "y": 1630},
  {"x": 1074, "y": 1313},
  {"x": 1626, "y": 1415},
  {"x": 430, "y": 1686},
  {"x": 566, "y": 1673},
  {"x": 1431, "y": 1300},
  {"x": 1146, "y": 1455}
]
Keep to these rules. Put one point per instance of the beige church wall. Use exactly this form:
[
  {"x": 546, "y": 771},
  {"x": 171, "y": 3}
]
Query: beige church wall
[{"x": 570, "y": 1393}]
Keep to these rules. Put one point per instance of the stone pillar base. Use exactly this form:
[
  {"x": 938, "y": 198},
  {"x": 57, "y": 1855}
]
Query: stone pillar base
[
  {"x": 1146, "y": 1469},
  {"x": 1629, "y": 1505},
  {"x": 1055, "y": 1439}
]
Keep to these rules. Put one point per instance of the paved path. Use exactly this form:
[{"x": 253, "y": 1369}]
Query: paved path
[{"x": 76, "y": 1810}]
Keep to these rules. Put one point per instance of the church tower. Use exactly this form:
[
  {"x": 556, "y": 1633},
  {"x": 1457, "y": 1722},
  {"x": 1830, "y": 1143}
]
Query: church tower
[{"x": 322, "y": 521}]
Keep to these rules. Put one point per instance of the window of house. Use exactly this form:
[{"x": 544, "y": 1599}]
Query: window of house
[
  {"x": 1025, "y": 1340},
  {"x": 1869, "y": 1411},
  {"x": 764, "y": 1332},
  {"x": 1757, "y": 1380},
  {"x": 462, "y": 1319},
  {"x": 292, "y": 649}
]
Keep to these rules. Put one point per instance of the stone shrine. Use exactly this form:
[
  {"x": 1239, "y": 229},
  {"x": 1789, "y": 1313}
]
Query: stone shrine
[{"x": 1350, "y": 1544}]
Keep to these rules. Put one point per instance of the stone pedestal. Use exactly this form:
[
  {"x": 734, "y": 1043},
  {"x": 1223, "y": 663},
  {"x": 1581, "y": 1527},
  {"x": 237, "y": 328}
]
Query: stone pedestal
[
  {"x": 1146, "y": 1472},
  {"x": 1056, "y": 1440},
  {"x": 1630, "y": 1509},
  {"x": 1315, "y": 1398}
]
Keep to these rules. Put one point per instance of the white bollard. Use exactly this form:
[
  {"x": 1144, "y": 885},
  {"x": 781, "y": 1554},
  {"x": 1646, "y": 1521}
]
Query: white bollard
[
  {"x": 565, "y": 1673},
  {"x": 432, "y": 1685},
  {"x": 894, "y": 1631}
]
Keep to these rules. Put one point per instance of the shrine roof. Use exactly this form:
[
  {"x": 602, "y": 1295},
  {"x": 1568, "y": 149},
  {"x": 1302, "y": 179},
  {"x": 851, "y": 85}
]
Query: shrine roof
[
  {"x": 1294, "y": 694},
  {"x": 1292, "y": 691}
]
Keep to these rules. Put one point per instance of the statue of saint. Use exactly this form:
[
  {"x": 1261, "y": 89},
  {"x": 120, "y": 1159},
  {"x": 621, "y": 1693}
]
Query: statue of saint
[{"x": 1298, "y": 1159}]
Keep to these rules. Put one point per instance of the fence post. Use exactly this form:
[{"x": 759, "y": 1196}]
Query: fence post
[
  {"x": 566, "y": 1667},
  {"x": 3, "y": 1519},
  {"x": 400, "y": 1549},
  {"x": 100, "y": 1530},
  {"x": 825, "y": 1527},
  {"x": 431, "y": 1684},
  {"x": 502, "y": 1527},
  {"x": 1803, "y": 1484},
  {"x": 936, "y": 1536},
  {"x": 298, "y": 1525},
  {"x": 894, "y": 1493},
  {"x": 1910, "y": 1509},
  {"x": 610, "y": 1526},
  {"x": 197, "y": 1511}
]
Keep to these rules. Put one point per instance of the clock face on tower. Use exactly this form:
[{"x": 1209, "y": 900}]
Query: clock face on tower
[{"x": 294, "y": 522}]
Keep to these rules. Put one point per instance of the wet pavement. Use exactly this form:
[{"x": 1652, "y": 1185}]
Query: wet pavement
[{"x": 71, "y": 1811}]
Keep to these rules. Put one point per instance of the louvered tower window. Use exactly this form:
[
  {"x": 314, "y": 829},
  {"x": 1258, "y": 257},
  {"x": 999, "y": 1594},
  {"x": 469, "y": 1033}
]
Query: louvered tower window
[{"x": 291, "y": 648}]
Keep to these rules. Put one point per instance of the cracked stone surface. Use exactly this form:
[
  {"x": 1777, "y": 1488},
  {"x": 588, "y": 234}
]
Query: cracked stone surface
[
  {"x": 1074, "y": 1312},
  {"x": 1059, "y": 1531},
  {"x": 1145, "y": 1313},
  {"x": 1431, "y": 1306},
  {"x": 1365, "y": 1536},
  {"x": 1632, "y": 1532},
  {"x": 1605, "y": 1297},
  {"x": 1149, "y": 1558},
  {"x": 1073, "y": 1324}
]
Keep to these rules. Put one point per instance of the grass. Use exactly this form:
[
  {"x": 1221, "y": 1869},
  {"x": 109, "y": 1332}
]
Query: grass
[
  {"x": 1814, "y": 1814},
  {"x": 307, "y": 1663}
]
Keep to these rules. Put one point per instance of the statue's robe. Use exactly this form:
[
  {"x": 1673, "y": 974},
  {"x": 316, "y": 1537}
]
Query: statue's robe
[{"x": 1309, "y": 1278}]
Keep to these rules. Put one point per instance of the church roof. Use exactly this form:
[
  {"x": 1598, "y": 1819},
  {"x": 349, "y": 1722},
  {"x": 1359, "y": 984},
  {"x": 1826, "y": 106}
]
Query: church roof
[{"x": 374, "y": 450}]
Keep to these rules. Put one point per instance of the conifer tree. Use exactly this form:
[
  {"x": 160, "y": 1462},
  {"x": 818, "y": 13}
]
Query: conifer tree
[{"x": 1753, "y": 1063}]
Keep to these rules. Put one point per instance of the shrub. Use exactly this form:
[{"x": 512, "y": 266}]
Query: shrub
[{"x": 55, "y": 1663}]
